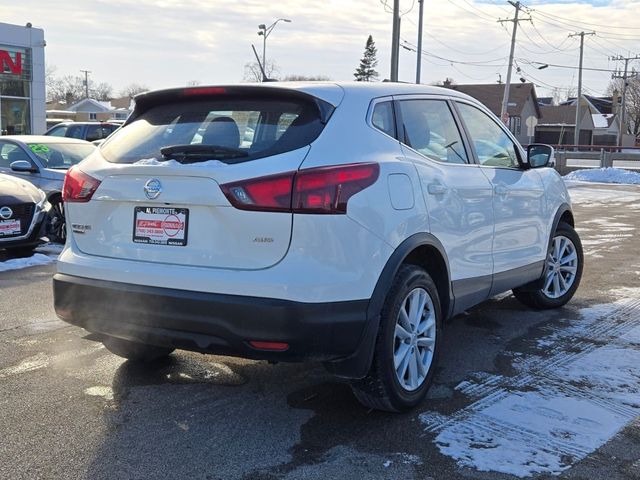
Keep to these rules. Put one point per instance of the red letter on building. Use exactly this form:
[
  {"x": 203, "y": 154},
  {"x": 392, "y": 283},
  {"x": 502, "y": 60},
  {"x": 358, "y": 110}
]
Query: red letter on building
[{"x": 6, "y": 61}]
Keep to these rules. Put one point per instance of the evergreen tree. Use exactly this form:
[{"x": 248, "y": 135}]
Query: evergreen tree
[{"x": 366, "y": 70}]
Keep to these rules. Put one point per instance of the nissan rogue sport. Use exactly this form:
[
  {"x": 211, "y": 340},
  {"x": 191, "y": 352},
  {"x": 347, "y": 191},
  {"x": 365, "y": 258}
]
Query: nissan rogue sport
[{"x": 342, "y": 223}]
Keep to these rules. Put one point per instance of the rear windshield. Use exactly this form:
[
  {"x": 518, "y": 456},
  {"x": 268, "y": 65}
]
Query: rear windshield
[{"x": 255, "y": 127}]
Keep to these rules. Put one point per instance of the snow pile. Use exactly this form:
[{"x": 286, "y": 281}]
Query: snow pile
[
  {"x": 17, "y": 263},
  {"x": 604, "y": 175},
  {"x": 174, "y": 163}
]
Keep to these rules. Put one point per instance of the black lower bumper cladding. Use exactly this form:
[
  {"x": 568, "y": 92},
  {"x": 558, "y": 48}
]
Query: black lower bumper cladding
[{"x": 209, "y": 322}]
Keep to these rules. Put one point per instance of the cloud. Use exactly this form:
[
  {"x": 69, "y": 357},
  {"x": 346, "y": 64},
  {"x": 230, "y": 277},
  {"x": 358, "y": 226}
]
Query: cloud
[{"x": 164, "y": 43}]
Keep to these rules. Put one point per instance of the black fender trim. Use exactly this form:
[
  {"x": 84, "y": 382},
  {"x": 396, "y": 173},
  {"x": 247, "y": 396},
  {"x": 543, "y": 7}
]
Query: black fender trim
[
  {"x": 539, "y": 283},
  {"x": 358, "y": 364}
]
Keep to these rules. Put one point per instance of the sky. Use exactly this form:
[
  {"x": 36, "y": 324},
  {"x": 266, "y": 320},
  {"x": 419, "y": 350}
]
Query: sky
[{"x": 167, "y": 43}]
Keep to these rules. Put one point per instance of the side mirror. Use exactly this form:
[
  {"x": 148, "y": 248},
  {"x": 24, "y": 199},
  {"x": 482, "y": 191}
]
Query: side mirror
[
  {"x": 23, "y": 166},
  {"x": 540, "y": 155}
]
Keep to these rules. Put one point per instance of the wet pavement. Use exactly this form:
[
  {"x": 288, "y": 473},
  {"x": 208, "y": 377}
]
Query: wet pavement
[{"x": 518, "y": 392}]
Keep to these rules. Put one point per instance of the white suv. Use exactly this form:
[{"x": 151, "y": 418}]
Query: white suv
[{"x": 336, "y": 222}]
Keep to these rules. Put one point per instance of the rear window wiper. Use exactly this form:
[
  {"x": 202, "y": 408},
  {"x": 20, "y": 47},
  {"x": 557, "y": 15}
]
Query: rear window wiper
[{"x": 200, "y": 153}]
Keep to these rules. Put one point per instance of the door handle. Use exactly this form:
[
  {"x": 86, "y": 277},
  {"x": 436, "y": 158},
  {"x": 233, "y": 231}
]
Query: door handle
[{"x": 436, "y": 189}]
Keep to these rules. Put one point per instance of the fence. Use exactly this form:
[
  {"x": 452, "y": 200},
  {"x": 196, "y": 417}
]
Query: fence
[{"x": 568, "y": 161}]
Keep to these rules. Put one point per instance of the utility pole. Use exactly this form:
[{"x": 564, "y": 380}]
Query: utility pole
[
  {"x": 395, "y": 41},
  {"x": 419, "y": 59},
  {"x": 515, "y": 20},
  {"x": 625, "y": 82},
  {"x": 576, "y": 133},
  {"x": 86, "y": 82}
]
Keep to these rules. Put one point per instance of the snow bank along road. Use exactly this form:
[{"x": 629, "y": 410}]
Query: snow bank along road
[{"x": 519, "y": 393}]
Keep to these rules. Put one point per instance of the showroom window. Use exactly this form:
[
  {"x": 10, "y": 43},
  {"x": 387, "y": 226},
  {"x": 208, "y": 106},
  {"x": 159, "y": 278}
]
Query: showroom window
[{"x": 15, "y": 92}]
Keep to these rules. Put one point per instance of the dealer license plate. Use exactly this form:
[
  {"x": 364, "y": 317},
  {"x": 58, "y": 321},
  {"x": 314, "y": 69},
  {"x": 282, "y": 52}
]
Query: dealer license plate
[
  {"x": 160, "y": 225},
  {"x": 9, "y": 227}
]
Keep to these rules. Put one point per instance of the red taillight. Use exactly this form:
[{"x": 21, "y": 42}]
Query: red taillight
[
  {"x": 315, "y": 190},
  {"x": 275, "y": 346},
  {"x": 328, "y": 189},
  {"x": 272, "y": 193},
  {"x": 78, "y": 186}
]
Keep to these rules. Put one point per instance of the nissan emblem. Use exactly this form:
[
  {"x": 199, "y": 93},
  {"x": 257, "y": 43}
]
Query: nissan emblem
[{"x": 153, "y": 188}]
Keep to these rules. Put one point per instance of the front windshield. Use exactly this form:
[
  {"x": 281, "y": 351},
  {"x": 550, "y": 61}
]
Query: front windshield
[{"x": 61, "y": 155}]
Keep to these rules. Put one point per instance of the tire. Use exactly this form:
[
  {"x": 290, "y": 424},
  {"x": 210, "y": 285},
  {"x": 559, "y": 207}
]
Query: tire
[
  {"x": 56, "y": 224},
  {"x": 397, "y": 390},
  {"x": 562, "y": 273},
  {"x": 135, "y": 351}
]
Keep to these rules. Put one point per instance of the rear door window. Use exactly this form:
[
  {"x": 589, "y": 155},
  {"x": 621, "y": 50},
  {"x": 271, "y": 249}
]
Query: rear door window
[
  {"x": 428, "y": 127},
  {"x": 242, "y": 128}
]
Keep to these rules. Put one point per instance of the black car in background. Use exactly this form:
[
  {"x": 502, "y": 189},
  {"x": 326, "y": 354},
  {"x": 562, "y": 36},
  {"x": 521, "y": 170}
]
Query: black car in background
[
  {"x": 23, "y": 211},
  {"x": 89, "y": 131}
]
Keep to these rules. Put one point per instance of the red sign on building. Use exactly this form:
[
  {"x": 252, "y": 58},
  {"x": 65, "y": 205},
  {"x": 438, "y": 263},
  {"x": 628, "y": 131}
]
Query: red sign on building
[{"x": 10, "y": 65}]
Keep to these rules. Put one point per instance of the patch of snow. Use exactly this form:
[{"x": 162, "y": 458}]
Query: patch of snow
[
  {"x": 605, "y": 175},
  {"x": 528, "y": 433},
  {"x": 592, "y": 197},
  {"x": 18, "y": 263},
  {"x": 387, "y": 463},
  {"x": 51, "y": 249},
  {"x": 100, "y": 391},
  {"x": 174, "y": 163},
  {"x": 563, "y": 405}
]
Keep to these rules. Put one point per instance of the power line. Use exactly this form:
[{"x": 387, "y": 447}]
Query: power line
[
  {"x": 462, "y": 51},
  {"x": 565, "y": 66},
  {"x": 484, "y": 63},
  {"x": 580, "y": 22}
]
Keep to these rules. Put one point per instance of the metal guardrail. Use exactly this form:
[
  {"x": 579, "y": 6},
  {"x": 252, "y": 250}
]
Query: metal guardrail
[{"x": 568, "y": 161}]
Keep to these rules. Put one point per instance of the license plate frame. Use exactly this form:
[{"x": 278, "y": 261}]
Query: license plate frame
[
  {"x": 7, "y": 231},
  {"x": 167, "y": 226}
]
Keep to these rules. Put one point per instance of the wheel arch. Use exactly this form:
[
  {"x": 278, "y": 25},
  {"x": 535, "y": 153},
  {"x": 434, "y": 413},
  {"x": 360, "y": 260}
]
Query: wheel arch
[
  {"x": 563, "y": 214},
  {"x": 54, "y": 196},
  {"x": 422, "y": 249}
]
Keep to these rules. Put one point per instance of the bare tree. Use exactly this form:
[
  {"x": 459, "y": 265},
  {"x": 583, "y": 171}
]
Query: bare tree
[
  {"x": 67, "y": 89},
  {"x": 133, "y": 89},
  {"x": 632, "y": 101},
  {"x": 100, "y": 91},
  {"x": 306, "y": 78},
  {"x": 560, "y": 95},
  {"x": 252, "y": 72},
  {"x": 447, "y": 82}
]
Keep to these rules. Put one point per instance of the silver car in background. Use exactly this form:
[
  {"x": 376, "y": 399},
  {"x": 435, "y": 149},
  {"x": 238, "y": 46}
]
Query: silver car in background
[{"x": 43, "y": 161}]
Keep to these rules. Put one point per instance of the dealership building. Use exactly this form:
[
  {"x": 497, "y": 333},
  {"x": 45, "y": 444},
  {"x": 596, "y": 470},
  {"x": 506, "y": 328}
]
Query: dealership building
[{"x": 22, "y": 80}]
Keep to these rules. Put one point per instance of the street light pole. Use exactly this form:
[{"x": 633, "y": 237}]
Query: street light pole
[
  {"x": 419, "y": 54},
  {"x": 265, "y": 32}
]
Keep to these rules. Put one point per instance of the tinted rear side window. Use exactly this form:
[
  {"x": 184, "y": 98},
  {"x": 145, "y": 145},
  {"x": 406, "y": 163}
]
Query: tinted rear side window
[{"x": 258, "y": 127}]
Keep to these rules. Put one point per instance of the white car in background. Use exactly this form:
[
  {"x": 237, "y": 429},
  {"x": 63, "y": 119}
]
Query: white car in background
[
  {"x": 44, "y": 161},
  {"x": 351, "y": 222}
]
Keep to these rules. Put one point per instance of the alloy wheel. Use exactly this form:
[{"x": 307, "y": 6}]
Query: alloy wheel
[
  {"x": 562, "y": 265},
  {"x": 414, "y": 339}
]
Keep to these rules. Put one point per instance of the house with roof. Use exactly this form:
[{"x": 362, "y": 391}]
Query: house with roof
[
  {"x": 522, "y": 105},
  {"x": 599, "y": 123},
  {"x": 88, "y": 110}
]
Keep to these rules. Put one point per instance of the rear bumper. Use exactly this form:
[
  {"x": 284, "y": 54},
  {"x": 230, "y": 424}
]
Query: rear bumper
[{"x": 211, "y": 323}]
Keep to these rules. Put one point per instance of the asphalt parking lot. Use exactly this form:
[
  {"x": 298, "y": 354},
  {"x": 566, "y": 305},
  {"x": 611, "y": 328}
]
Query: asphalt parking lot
[{"x": 518, "y": 392}]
